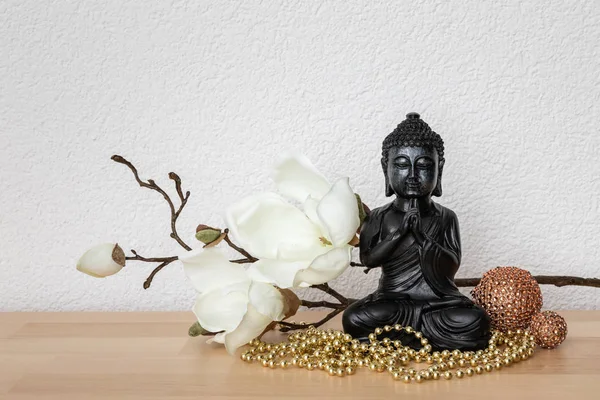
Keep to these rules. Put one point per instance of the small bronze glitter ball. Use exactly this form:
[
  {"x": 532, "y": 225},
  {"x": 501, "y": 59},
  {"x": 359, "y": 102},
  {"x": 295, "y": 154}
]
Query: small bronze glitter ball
[
  {"x": 511, "y": 297},
  {"x": 549, "y": 329}
]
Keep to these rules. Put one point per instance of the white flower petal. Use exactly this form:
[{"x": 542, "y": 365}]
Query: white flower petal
[
  {"x": 297, "y": 178},
  {"x": 208, "y": 269},
  {"x": 310, "y": 209},
  {"x": 98, "y": 261},
  {"x": 325, "y": 267},
  {"x": 252, "y": 325},
  {"x": 338, "y": 211},
  {"x": 221, "y": 309},
  {"x": 267, "y": 226},
  {"x": 267, "y": 300},
  {"x": 277, "y": 272},
  {"x": 218, "y": 338}
]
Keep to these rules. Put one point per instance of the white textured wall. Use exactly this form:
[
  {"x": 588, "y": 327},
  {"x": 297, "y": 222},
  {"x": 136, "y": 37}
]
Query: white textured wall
[{"x": 216, "y": 92}]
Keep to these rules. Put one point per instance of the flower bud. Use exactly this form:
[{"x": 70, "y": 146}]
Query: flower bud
[
  {"x": 102, "y": 260},
  {"x": 207, "y": 234},
  {"x": 196, "y": 330}
]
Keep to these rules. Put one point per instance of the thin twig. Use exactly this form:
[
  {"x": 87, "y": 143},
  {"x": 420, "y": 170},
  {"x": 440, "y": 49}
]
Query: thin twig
[
  {"x": 150, "y": 184},
  {"x": 148, "y": 281},
  {"x": 326, "y": 304},
  {"x": 559, "y": 281},
  {"x": 238, "y": 249},
  {"x": 288, "y": 326},
  {"x": 327, "y": 289},
  {"x": 164, "y": 261},
  {"x": 244, "y": 261},
  {"x": 555, "y": 280}
]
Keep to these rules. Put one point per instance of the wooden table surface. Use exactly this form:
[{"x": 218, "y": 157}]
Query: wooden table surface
[{"x": 148, "y": 355}]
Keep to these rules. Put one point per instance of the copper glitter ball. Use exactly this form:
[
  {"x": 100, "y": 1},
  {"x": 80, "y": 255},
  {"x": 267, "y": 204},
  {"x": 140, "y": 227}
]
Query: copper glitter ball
[
  {"x": 511, "y": 297},
  {"x": 549, "y": 329}
]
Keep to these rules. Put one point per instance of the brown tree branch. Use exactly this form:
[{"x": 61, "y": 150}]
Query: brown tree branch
[
  {"x": 326, "y": 304},
  {"x": 559, "y": 281},
  {"x": 288, "y": 326},
  {"x": 164, "y": 261},
  {"x": 555, "y": 280},
  {"x": 324, "y": 287},
  {"x": 150, "y": 184},
  {"x": 243, "y": 252}
]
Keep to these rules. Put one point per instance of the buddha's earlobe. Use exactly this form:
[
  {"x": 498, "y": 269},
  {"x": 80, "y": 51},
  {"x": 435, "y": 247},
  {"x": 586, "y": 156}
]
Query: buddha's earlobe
[
  {"x": 388, "y": 188},
  {"x": 438, "y": 187}
]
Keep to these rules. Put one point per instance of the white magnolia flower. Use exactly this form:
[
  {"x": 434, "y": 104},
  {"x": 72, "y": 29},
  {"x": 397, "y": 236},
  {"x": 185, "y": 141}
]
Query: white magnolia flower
[
  {"x": 229, "y": 302},
  {"x": 297, "y": 247},
  {"x": 102, "y": 260}
]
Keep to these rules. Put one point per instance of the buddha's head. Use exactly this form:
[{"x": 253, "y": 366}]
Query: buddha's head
[{"x": 413, "y": 160}]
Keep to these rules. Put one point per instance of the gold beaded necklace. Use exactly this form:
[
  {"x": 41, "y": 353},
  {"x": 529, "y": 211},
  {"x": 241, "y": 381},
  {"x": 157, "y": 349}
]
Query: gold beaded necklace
[{"x": 340, "y": 355}]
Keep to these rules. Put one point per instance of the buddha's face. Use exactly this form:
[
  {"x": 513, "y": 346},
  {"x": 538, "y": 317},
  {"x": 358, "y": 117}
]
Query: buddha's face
[{"x": 412, "y": 171}]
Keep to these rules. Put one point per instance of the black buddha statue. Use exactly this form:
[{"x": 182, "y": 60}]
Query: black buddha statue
[{"x": 416, "y": 242}]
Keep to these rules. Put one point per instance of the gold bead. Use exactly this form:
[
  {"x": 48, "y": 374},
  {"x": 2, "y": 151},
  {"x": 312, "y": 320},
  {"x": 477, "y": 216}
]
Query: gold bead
[
  {"x": 462, "y": 363},
  {"x": 340, "y": 372},
  {"x": 507, "y": 362},
  {"x": 398, "y": 327},
  {"x": 435, "y": 375},
  {"x": 469, "y": 371},
  {"x": 498, "y": 365},
  {"x": 409, "y": 329},
  {"x": 456, "y": 353},
  {"x": 418, "y": 335},
  {"x": 350, "y": 370},
  {"x": 460, "y": 373},
  {"x": 387, "y": 328},
  {"x": 406, "y": 379},
  {"x": 489, "y": 367},
  {"x": 447, "y": 375},
  {"x": 378, "y": 331},
  {"x": 284, "y": 364},
  {"x": 310, "y": 366},
  {"x": 386, "y": 341},
  {"x": 424, "y": 341},
  {"x": 372, "y": 337},
  {"x": 412, "y": 372},
  {"x": 445, "y": 354},
  {"x": 264, "y": 363},
  {"x": 451, "y": 364},
  {"x": 396, "y": 375},
  {"x": 419, "y": 379},
  {"x": 479, "y": 370}
]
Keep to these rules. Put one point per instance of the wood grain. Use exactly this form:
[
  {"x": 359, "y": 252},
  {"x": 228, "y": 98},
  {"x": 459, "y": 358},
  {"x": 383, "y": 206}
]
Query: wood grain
[{"x": 149, "y": 356}]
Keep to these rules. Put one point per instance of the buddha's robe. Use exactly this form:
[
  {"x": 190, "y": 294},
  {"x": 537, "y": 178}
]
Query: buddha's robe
[{"x": 417, "y": 287}]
